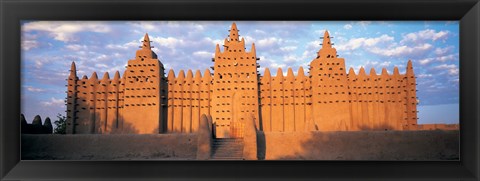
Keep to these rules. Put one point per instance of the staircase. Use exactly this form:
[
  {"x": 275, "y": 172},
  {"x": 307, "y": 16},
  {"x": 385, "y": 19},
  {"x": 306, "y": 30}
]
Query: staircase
[{"x": 227, "y": 149}]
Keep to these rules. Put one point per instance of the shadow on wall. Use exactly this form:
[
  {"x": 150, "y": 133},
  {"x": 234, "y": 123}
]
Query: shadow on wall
[
  {"x": 95, "y": 125},
  {"x": 383, "y": 127},
  {"x": 359, "y": 145}
]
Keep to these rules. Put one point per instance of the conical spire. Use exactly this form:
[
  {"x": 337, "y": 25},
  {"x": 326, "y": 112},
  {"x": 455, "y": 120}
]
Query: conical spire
[
  {"x": 48, "y": 126},
  {"x": 146, "y": 42},
  {"x": 351, "y": 72},
  {"x": 300, "y": 72},
  {"x": 253, "y": 50},
  {"x": 409, "y": 68},
  {"x": 198, "y": 75},
  {"x": 106, "y": 76},
  {"x": 326, "y": 40},
  {"x": 23, "y": 120},
  {"x": 73, "y": 70},
  {"x": 362, "y": 71},
  {"x": 171, "y": 75},
  {"x": 37, "y": 120},
  {"x": 267, "y": 73},
  {"x": 384, "y": 71},
  {"x": 207, "y": 76},
  {"x": 395, "y": 71},
  {"x": 373, "y": 72},
  {"x": 189, "y": 75},
  {"x": 217, "y": 49},
  {"x": 94, "y": 76},
  {"x": 207, "y": 72},
  {"x": 234, "y": 32},
  {"x": 327, "y": 51},
  {"x": 290, "y": 73},
  {"x": 116, "y": 76},
  {"x": 279, "y": 72},
  {"x": 181, "y": 74}
]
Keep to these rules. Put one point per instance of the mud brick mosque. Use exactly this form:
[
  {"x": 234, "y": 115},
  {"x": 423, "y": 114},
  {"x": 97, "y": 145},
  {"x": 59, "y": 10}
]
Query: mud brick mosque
[{"x": 327, "y": 98}]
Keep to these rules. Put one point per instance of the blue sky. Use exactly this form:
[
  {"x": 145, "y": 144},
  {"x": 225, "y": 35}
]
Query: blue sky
[{"x": 49, "y": 47}]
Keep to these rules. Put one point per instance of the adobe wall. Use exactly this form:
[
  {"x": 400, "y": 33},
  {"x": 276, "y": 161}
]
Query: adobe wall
[
  {"x": 360, "y": 145},
  {"x": 109, "y": 147},
  {"x": 188, "y": 98}
]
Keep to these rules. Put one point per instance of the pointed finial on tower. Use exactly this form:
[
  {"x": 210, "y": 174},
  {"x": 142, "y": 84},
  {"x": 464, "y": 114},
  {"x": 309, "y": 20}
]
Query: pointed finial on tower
[
  {"x": 234, "y": 32},
  {"x": 326, "y": 40},
  {"x": 254, "y": 50},
  {"x": 73, "y": 70},
  {"x": 409, "y": 68},
  {"x": 146, "y": 42},
  {"x": 217, "y": 49}
]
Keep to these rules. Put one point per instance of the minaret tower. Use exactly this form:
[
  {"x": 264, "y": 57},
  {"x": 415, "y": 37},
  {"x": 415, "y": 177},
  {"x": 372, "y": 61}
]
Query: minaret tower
[
  {"x": 411, "y": 100},
  {"x": 235, "y": 91},
  {"x": 71, "y": 100},
  {"x": 144, "y": 92},
  {"x": 330, "y": 97}
]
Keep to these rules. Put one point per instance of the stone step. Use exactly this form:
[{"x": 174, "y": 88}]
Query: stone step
[
  {"x": 227, "y": 149},
  {"x": 228, "y": 140},
  {"x": 228, "y": 145},
  {"x": 228, "y": 158},
  {"x": 228, "y": 153}
]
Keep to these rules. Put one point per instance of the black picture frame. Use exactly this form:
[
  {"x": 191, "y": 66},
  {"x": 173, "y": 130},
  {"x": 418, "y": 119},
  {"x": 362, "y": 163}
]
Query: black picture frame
[{"x": 465, "y": 11}]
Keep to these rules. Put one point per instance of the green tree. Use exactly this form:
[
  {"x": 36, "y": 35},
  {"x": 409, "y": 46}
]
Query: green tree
[{"x": 60, "y": 125}]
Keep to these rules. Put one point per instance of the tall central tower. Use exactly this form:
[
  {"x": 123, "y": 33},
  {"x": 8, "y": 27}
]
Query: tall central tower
[
  {"x": 330, "y": 99},
  {"x": 144, "y": 95},
  {"x": 235, "y": 90}
]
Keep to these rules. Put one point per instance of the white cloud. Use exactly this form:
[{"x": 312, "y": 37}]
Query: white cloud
[
  {"x": 428, "y": 34},
  {"x": 348, "y": 26},
  {"x": 401, "y": 50},
  {"x": 426, "y": 61},
  {"x": 443, "y": 51},
  {"x": 288, "y": 48},
  {"x": 452, "y": 69},
  {"x": 34, "y": 89},
  {"x": 29, "y": 44},
  {"x": 169, "y": 42},
  {"x": 133, "y": 45},
  {"x": 424, "y": 75},
  {"x": 65, "y": 30},
  {"x": 269, "y": 42},
  {"x": 356, "y": 43},
  {"x": 203, "y": 54},
  {"x": 53, "y": 102},
  {"x": 76, "y": 47}
]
